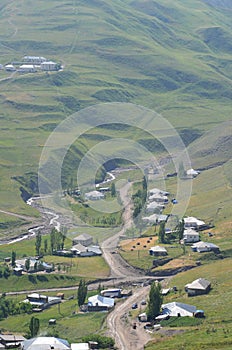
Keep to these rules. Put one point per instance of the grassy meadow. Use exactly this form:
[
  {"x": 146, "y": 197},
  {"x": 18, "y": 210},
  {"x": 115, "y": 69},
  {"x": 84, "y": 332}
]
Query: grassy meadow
[{"x": 163, "y": 59}]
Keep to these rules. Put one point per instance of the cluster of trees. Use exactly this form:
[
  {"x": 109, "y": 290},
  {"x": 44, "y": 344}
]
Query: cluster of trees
[
  {"x": 139, "y": 198},
  {"x": 177, "y": 234},
  {"x": 11, "y": 307},
  {"x": 109, "y": 220},
  {"x": 4, "y": 272},
  {"x": 57, "y": 239},
  {"x": 34, "y": 327},
  {"x": 82, "y": 292},
  {"x": 155, "y": 301},
  {"x": 103, "y": 342}
]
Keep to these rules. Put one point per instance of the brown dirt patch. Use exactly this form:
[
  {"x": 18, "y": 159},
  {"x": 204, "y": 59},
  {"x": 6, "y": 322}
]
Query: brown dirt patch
[{"x": 143, "y": 241}]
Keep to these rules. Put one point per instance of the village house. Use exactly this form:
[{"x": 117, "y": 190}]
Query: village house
[
  {"x": 27, "y": 68},
  {"x": 154, "y": 207},
  {"x": 85, "y": 239},
  {"x": 178, "y": 309},
  {"x": 198, "y": 287},
  {"x": 45, "y": 343},
  {"x": 11, "y": 341},
  {"x": 112, "y": 293},
  {"x": 49, "y": 66},
  {"x": 158, "y": 251},
  {"x": 100, "y": 303},
  {"x": 34, "y": 59},
  {"x": 41, "y": 302},
  {"x": 83, "y": 251},
  {"x": 159, "y": 198},
  {"x": 94, "y": 195},
  {"x": 192, "y": 222},
  {"x": 190, "y": 236},
  {"x": 202, "y": 247},
  {"x": 158, "y": 191},
  {"x": 155, "y": 218}
]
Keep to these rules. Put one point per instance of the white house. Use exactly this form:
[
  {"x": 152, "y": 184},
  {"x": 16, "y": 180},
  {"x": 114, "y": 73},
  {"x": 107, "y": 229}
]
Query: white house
[
  {"x": 45, "y": 343},
  {"x": 34, "y": 59},
  {"x": 94, "y": 195},
  {"x": 190, "y": 236},
  {"x": 202, "y": 247},
  {"x": 27, "y": 68},
  {"x": 48, "y": 66},
  {"x": 192, "y": 222},
  {"x": 100, "y": 301},
  {"x": 178, "y": 309},
  {"x": 10, "y": 68}
]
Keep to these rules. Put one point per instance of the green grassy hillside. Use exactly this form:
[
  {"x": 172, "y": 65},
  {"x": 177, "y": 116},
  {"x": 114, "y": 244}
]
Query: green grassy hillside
[{"x": 173, "y": 57}]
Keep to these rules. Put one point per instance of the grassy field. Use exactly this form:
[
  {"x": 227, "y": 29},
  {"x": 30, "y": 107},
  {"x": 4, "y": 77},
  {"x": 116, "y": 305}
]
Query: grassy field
[
  {"x": 108, "y": 58},
  {"x": 71, "y": 324}
]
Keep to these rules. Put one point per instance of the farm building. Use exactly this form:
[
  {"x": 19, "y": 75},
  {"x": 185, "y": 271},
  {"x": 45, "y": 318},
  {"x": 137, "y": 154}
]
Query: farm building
[
  {"x": 158, "y": 251},
  {"x": 111, "y": 293},
  {"x": 34, "y": 59},
  {"x": 198, "y": 287},
  {"x": 27, "y": 68},
  {"x": 190, "y": 236},
  {"x": 94, "y": 195},
  {"x": 100, "y": 303},
  {"x": 81, "y": 250},
  {"x": 191, "y": 222},
  {"x": 83, "y": 239},
  {"x": 45, "y": 343},
  {"x": 154, "y": 207},
  {"x": 178, "y": 309},
  {"x": 159, "y": 198},
  {"x": 158, "y": 191},
  {"x": 40, "y": 301},
  {"x": 155, "y": 218},
  {"x": 202, "y": 247},
  {"x": 11, "y": 341},
  {"x": 48, "y": 66}
]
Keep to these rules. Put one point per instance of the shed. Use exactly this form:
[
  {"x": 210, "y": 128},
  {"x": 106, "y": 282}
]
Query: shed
[
  {"x": 142, "y": 317},
  {"x": 52, "y": 322},
  {"x": 158, "y": 251}
]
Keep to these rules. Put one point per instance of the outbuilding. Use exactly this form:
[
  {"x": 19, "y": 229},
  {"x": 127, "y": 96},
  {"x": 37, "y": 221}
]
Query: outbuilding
[{"x": 158, "y": 251}]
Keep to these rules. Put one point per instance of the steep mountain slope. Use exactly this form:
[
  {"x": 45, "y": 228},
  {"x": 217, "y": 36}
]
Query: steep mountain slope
[{"x": 173, "y": 57}]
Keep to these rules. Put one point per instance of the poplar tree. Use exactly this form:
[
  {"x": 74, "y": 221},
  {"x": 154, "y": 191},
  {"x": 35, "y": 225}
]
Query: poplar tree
[{"x": 155, "y": 301}]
